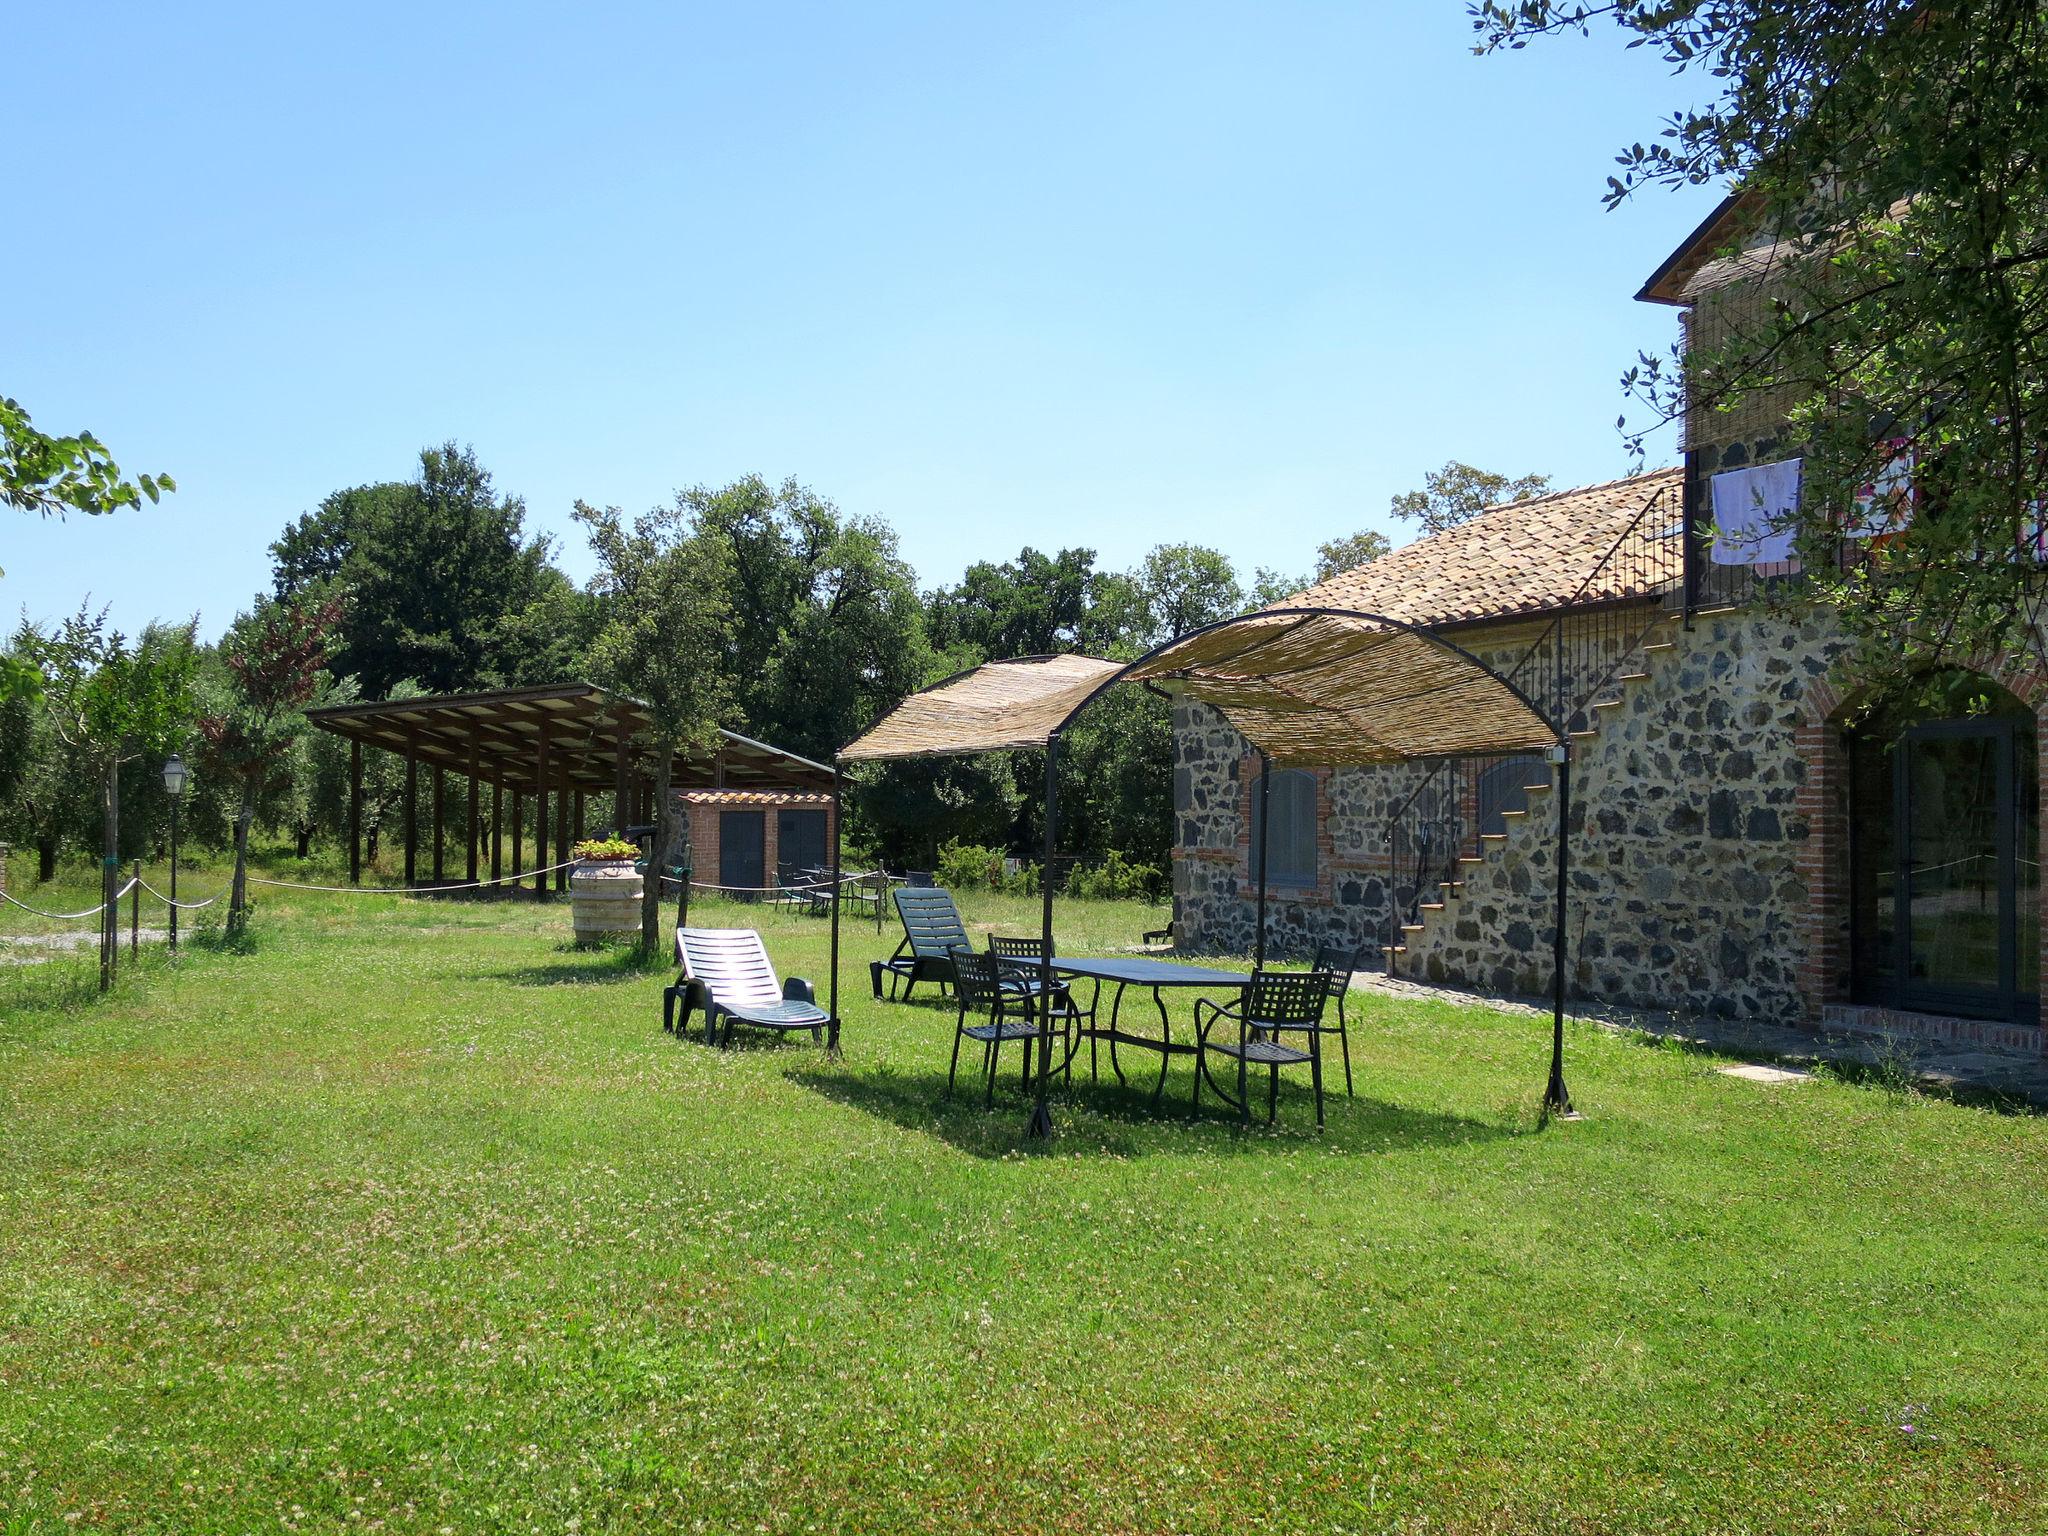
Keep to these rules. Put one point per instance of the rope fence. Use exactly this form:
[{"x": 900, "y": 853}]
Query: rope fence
[
  {"x": 290, "y": 885},
  {"x": 793, "y": 887},
  {"x": 413, "y": 890},
  {"x": 182, "y": 906},
  {"x": 65, "y": 917}
]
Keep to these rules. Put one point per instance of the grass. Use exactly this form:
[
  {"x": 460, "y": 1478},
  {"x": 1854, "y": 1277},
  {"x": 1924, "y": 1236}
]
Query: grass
[{"x": 412, "y": 1219}]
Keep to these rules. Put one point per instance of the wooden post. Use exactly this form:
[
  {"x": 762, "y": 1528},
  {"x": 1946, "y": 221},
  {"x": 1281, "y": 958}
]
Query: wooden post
[
  {"x": 135, "y": 914},
  {"x": 355, "y": 813},
  {"x": 412, "y": 801},
  {"x": 497, "y": 825},
  {"x": 579, "y": 815},
  {"x": 518, "y": 830},
  {"x": 562, "y": 828},
  {"x": 440, "y": 838},
  {"x": 621, "y": 816},
  {"x": 473, "y": 813},
  {"x": 540, "y": 818}
]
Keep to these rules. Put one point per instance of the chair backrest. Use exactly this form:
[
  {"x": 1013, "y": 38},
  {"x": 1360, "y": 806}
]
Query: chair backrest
[
  {"x": 977, "y": 981},
  {"x": 931, "y": 923},
  {"x": 1286, "y": 999},
  {"x": 919, "y": 879},
  {"x": 731, "y": 962},
  {"x": 1341, "y": 963},
  {"x": 1006, "y": 948}
]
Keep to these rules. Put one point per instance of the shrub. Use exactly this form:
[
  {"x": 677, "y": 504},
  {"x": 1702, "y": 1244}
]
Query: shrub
[
  {"x": 970, "y": 867},
  {"x": 1116, "y": 879},
  {"x": 606, "y": 848}
]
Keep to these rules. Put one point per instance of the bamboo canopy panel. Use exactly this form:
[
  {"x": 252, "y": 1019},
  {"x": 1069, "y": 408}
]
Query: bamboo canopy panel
[
  {"x": 583, "y": 724},
  {"x": 1316, "y": 688},
  {"x": 996, "y": 707},
  {"x": 1309, "y": 687}
]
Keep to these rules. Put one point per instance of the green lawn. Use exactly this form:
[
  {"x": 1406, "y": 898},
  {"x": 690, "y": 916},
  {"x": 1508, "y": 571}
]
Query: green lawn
[{"x": 414, "y": 1220}]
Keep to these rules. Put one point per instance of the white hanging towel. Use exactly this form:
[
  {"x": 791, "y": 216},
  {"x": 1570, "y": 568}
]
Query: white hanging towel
[{"x": 1754, "y": 512}]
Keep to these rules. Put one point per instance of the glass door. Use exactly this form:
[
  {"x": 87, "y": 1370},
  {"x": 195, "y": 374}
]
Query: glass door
[
  {"x": 1956, "y": 906},
  {"x": 1945, "y": 873}
]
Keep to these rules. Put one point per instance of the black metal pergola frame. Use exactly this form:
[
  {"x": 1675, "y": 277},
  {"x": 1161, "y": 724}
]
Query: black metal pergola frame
[{"x": 1556, "y": 1098}]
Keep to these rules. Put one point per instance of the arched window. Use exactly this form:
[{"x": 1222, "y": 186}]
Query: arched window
[{"x": 1292, "y": 817}]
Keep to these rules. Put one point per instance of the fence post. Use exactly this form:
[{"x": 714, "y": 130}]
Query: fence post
[{"x": 135, "y": 914}]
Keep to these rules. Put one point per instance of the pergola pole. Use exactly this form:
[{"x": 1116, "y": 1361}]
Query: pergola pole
[
  {"x": 1040, "y": 1127},
  {"x": 1557, "y": 1099},
  {"x": 838, "y": 778},
  {"x": 475, "y": 816},
  {"x": 440, "y": 824},
  {"x": 562, "y": 828},
  {"x": 355, "y": 812},
  {"x": 412, "y": 804},
  {"x": 540, "y": 818},
  {"x": 1265, "y": 847},
  {"x": 621, "y": 811},
  {"x": 518, "y": 828},
  {"x": 497, "y": 826}
]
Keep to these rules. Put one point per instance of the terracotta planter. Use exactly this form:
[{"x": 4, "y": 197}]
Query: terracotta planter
[{"x": 604, "y": 899}]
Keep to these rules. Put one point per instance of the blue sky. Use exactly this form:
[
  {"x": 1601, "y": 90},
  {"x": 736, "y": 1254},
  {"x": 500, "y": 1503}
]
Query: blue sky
[{"x": 1107, "y": 275}]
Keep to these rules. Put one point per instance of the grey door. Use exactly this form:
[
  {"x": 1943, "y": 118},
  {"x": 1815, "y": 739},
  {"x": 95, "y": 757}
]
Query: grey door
[
  {"x": 799, "y": 842},
  {"x": 742, "y": 843}
]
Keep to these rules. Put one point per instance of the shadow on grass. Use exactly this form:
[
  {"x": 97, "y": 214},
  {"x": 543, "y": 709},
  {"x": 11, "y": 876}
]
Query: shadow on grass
[
  {"x": 585, "y": 968},
  {"x": 1110, "y": 1120}
]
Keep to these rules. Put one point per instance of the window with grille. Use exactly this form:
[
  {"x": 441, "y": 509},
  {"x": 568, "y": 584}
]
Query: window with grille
[{"x": 1292, "y": 818}]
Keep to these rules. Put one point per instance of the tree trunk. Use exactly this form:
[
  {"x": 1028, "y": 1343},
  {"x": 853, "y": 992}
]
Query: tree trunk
[
  {"x": 238, "y": 893},
  {"x": 370, "y": 845},
  {"x": 305, "y": 841},
  {"x": 46, "y": 859},
  {"x": 650, "y": 888}
]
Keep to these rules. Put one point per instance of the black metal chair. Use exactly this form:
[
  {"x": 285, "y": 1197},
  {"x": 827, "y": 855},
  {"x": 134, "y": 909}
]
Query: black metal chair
[
  {"x": 979, "y": 987},
  {"x": 1272, "y": 1004},
  {"x": 1023, "y": 966},
  {"x": 932, "y": 930},
  {"x": 1342, "y": 964}
]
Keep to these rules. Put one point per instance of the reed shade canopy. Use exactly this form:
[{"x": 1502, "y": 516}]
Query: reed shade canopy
[{"x": 1307, "y": 687}]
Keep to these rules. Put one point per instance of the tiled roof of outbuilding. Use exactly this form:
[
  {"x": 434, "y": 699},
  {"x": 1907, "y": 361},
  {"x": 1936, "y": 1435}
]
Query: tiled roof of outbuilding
[{"x": 1522, "y": 557}]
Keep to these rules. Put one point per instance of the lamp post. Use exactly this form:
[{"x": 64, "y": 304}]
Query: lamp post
[{"x": 175, "y": 776}]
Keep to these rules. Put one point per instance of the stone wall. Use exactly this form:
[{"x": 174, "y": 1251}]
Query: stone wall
[{"x": 1687, "y": 832}]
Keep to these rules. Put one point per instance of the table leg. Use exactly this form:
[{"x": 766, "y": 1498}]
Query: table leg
[
  {"x": 1115, "y": 1007},
  {"x": 1165, "y": 1040}
]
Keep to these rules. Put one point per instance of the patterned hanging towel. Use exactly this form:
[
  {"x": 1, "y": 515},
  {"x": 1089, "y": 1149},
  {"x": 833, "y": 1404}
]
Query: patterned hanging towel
[{"x": 1755, "y": 511}]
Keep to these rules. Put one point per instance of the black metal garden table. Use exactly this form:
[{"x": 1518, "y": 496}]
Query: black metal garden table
[{"x": 1141, "y": 971}]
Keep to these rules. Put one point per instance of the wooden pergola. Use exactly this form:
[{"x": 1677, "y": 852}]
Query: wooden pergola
[{"x": 556, "y": 743}]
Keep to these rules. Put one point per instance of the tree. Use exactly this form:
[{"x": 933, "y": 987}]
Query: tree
[
  {"x": 274, "y": 659},
  {"x": 1186, "y": 586},
  {"x": 442, "y": 583},
  {"x": 826, "y": 625},
  {"x": 666, "y": 584},
  {"x": 1271, "y": 588},
  {"x": 112, "y": 704},
  {"x": 1348, "y": 554},
  {"x": 1891, "y": 162},
  {"x": 1458, "y": 493},
  {"x": 44, "y": 474},
  {"x": 1034, "y": 605}
]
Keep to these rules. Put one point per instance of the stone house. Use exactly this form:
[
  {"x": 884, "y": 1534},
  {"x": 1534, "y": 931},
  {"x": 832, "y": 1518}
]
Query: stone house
[{"x": 1753, "y": 836}]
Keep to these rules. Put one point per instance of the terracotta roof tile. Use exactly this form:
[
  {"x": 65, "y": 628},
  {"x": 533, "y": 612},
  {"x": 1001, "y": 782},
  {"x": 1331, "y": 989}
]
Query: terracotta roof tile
[
  {"x": 1518, "y": 558},
  {"x": 753, "y": 797}
]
